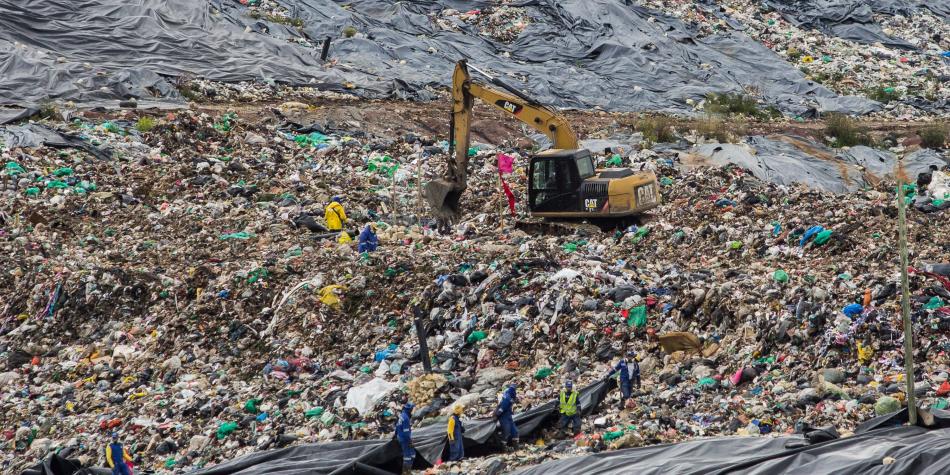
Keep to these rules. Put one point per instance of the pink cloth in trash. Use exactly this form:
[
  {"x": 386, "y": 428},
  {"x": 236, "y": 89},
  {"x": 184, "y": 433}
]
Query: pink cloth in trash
[
  {"x": 505, "y": 163},
  {"x": 735, "y": 378}
]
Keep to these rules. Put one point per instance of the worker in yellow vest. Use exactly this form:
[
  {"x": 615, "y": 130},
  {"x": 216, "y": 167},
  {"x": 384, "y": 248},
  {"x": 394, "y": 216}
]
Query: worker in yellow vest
[{"x": 568, "y": 408}]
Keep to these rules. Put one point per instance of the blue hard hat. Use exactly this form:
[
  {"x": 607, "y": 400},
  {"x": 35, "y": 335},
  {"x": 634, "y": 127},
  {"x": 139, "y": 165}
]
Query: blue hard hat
[
  {"x": 337, "y": 198},
  {"x": 569, "y": 384},
  {"x": 409, "y": 406}
]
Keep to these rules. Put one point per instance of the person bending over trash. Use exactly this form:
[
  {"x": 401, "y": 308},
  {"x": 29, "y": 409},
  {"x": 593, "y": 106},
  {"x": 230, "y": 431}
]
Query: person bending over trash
[
  {"x": 505, "y": 415},
  {"x": 455, "y": 430},
  {"x": 568, "y": 408},
  {"x": 404, "y": 436},
  {"x": 335, "y": 215},
  {"x": 368, "y": 242}
]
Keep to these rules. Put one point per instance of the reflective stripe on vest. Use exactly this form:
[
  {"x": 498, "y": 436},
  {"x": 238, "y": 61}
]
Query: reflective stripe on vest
[{"x": 569, "y": 405}]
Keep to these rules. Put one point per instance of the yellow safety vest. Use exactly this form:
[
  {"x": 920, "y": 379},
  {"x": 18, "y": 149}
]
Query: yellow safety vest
[{"x": 568, "y": 404}]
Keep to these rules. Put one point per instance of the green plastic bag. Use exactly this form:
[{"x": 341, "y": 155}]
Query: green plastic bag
[
  {"x": 257, "y": 274},
  {"x": 706, "y": 382},
  {"x": 608, "y": 436},
  {"x": 934, "y": 303},
  {"x": 14, "y": 168},
  {"x": 241, "y": 235},
  {"x": 569, "y": 247},
  {"x": 64, "y": 171},
  {"x": 315, "y": 412},
  {"x": 476, "y": 336},
  {"x": 32, "y": 191},
  {"x": 638, "y": 316},
  {"x": 327, "y": 418},
  {"x": 56, "y": 184},
  {"x": 615, "y": 161},
  {"x": 543, "y": 373},
  {"x": 640, "y": 234},
  {"x": 735, "y": 245},
  {"x": 780, "y": 276},
  {"x": 823, "y": 237},
  {"x": 312, "y": 139},
  {"x": 225, "y": 429},
  {"x": 251, "y": 406},
  {"x": 941, "y": 403},
  {"x": 85, "y": 186}
]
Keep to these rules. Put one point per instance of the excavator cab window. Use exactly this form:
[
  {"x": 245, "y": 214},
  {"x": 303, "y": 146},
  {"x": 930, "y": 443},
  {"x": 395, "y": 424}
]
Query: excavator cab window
[
  {"x": 585, "y": 166},
  {"x": 555, "y": 182}
]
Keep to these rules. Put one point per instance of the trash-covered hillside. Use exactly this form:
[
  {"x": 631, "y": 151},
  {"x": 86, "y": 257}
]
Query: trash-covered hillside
[{"x": 173, "y": 288}]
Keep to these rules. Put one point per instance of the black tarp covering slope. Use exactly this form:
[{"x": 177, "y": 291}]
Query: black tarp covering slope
[
  {"x": 916, "y": 450},
  {"x": 853, "y": 19},
  {"x": 573, "y": 54}
]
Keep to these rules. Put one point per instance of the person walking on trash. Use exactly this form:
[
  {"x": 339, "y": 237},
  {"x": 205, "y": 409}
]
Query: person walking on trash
[
  {"x": 505, "y": 415},
  {"x": 455, "y": 431},
  {"x": 404, "y": 436},
  {"x": 118, "y": 459},
  {"x": 368, "y": 242},
  {"x": 335, "y": 215},
  {"x": 568, "y": 409},
  {"x": 629, "y": 375}
]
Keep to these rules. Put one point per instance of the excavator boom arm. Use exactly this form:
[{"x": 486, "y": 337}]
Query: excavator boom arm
[{"x": 444, "y": 195}]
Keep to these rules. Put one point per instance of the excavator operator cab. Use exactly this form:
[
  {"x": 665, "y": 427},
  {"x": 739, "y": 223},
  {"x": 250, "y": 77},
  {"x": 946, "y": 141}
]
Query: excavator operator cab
[{"x": 556, "y": 179}]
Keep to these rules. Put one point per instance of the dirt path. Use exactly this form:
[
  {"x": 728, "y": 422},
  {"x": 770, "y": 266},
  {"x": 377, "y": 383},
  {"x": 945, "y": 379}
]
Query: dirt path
[{"x": 391, "y": 119}]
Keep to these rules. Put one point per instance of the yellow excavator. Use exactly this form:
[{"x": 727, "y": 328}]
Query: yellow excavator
[{"x": 562, "y": 181}]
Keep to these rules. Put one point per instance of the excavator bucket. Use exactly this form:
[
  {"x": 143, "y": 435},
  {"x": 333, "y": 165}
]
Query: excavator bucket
[{"x": 443, "y": 197}]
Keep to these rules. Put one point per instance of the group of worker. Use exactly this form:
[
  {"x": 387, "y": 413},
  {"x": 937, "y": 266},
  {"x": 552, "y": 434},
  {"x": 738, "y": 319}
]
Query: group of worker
[
  {"x": 627, "y": 369},
  {"x": 335, "y": 216}
]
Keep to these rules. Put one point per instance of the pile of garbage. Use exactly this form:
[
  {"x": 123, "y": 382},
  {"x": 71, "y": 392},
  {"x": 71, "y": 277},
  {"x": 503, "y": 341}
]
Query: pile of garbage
[
  {"x": 172, "y": 278},
  {"x": 897, "y": 55}
]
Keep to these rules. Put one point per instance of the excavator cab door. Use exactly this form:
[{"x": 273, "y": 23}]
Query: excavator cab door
[{"x": 556, "y": 179}]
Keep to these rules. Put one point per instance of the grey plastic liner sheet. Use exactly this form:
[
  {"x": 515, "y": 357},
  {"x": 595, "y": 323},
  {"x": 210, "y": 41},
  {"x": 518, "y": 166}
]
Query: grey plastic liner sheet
[
  {"x": 782, "y": 162},
  {"x": 580, "y": 54},
  {"x": 34, "y": 135},
  {"x": 786, "y": 160},
  {"x": 882, "y": 164},
  {"x": 916, "y": 450},
  {"x": 853, "y": 19}
]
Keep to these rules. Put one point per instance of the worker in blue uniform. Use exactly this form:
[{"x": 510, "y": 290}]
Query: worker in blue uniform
[
  {"x": 404, "y": 436},
  {"x": 505, "y": 415}
]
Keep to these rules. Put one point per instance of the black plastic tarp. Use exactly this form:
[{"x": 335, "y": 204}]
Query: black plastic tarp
[
  {"x": 915, "y": 450},
  {"x": 854, "y": 19},
  {"x": 34, "y": 135},
  {"x": 384, "y": 456},
  {"x": 785, "y": 160},
  {"x": 581, "y": 54}
]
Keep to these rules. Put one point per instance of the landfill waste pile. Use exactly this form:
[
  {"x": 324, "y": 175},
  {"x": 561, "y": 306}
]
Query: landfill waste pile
[
  {"x": 218, "y": 257},
  {"x": 897, "y": 53},
  {"x": 172, "y": 278}
]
